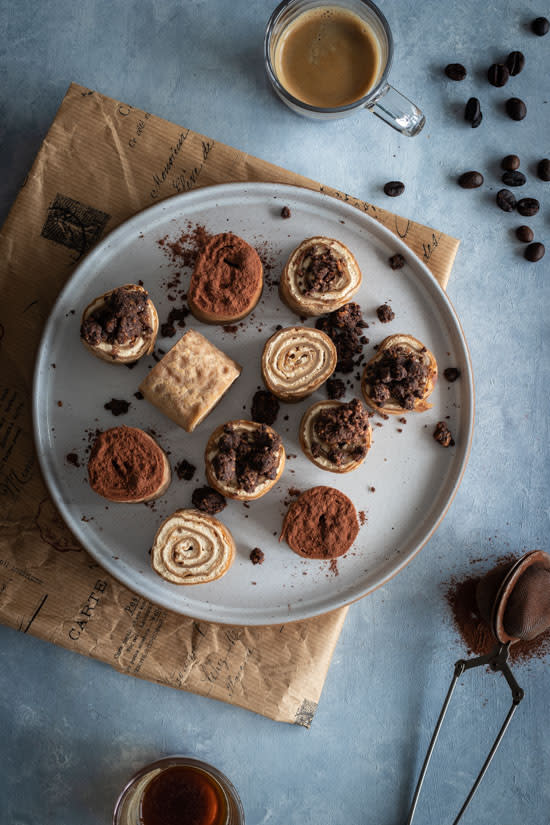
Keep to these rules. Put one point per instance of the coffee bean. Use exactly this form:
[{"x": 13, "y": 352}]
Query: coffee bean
[
  {"x": 455, "y": 71},
  {"x": 506, "y": 200},
  {"x": 510, "y": 163},
  {"x": 516, "y": 108},
  {"x": 472, "y": 112},
  {"x": 540, "y": 26},
  {"x": 470, "y": 180},
  {"x": 515, "y": 63},
  {"x": 543, "y": 169},
  {"x": 515, "y": 178},
  {"x": 528, "y": 207},
  {"x": 498, "y": 74},
  {"x": 393, "y": 188},
  {"x": 397, "y": 261},
  {"x": 525, "y": 234},
  {"x": 534, "y": 252}
]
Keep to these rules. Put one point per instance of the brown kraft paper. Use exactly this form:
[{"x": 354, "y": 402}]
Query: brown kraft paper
[{"x": 101, "y": 162}]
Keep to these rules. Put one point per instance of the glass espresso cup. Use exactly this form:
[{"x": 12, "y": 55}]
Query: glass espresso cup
[
  {"x": 309, "y": 47},
  {"x": 178, "y": 788}
]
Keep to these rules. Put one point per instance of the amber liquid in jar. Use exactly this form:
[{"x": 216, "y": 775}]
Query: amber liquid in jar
[{"x": 183, "y": 795}]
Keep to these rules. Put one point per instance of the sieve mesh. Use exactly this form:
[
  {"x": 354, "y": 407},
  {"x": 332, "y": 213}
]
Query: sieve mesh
[
  {"x": 487, "y": 589},
  {"x": 527, "y": 613}
]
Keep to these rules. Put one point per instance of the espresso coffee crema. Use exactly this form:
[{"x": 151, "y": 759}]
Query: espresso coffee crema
[{"x": 327, "y": 57}]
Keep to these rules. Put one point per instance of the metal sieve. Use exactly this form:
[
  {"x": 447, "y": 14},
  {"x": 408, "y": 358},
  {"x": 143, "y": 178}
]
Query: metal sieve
[{"x": 514, "y": 600}]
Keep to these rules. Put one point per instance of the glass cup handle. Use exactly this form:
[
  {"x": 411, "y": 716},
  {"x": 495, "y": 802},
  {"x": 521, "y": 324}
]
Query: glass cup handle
[{"x": 398, "y": 111}]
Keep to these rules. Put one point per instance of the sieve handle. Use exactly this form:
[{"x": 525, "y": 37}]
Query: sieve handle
[{"x": 497, "y": 660}]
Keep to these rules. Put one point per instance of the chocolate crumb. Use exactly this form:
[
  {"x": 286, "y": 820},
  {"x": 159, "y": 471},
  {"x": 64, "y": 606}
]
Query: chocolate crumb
[
  {"x": 72, "y": 458},
  {"x": 451, "y": 374},
  {"x": 208, "y": 500},
  {"x": 231, "y": 328},
  {"x": 185, "y": 470},
  {"x": 385, "y": 313},
  {"x": 60, "y": 403},
  {"x": 397, "y": 261},
  {"x": 139, "y": 395},
  {"x": 117, "y": 406},
  {"x": 362, "y": 517},
  {"x": 335, "y": 388},
  {"x": 442, "y": 435},
  {"x": 257, "y": 556},
  {"x": 265, "y": 407},
  {"x": 285, "y": 212}
]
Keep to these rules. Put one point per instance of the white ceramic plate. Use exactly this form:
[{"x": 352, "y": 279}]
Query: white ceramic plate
[{"x": 413, "y": 476}]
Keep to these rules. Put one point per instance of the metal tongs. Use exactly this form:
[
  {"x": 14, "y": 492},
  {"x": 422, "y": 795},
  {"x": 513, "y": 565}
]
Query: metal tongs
[{"x": 519, "y": 594}]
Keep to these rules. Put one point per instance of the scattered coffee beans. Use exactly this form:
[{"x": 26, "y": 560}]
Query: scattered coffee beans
[
  {"x": 472, "y": 112},
  {"x": 515, "y": 63},
  {"x": 543, "y": 169},
  {"x": 524, "y": 234},
  {"x": 540, "y": 26},
  {"x": 397, "y": 261},
  {"x": 514, "y": 178},
  {"x": 506, "y": 200},
  {"x": 534, "y": 252},
  {"x": 510, "y": 163},
  {"x": 516, "y": 108},
  {"x": 498, "y": 74},
  {"x": 471, "y": 180},
  {"x": 455, "y": 71},
  {"x": 528, "y": 207},
  {"x": 393, "y": 188}
]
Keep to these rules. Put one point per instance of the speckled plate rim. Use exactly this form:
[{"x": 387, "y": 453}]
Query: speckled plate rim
[{"x": 139, "y": 222}]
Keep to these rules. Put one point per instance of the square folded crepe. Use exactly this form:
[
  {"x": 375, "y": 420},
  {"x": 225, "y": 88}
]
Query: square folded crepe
[{"x": 190, "y": 380}]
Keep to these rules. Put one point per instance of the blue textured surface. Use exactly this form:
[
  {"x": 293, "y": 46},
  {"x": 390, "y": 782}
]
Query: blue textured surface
[{"x": 72, "y": 729}]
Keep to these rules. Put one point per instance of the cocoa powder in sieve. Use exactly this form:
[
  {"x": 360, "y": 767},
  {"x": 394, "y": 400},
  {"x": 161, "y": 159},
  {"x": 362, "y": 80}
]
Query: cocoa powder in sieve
[{"x": 475, "y": 633}]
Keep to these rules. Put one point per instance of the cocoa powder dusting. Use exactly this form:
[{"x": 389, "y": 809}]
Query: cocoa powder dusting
[
  {"x": 320, "y": 524},
  {"x": 125, "y": 464},
  {"x": 473, "y": 630},
  {"x": 227, "y": 276}
]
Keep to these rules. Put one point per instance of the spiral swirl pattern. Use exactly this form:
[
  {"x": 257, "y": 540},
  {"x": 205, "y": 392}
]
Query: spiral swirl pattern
[
  {"x": 296, "y": 361},
  {"x": 192, "y": 548},
  {"x": 313, "y": 300}
]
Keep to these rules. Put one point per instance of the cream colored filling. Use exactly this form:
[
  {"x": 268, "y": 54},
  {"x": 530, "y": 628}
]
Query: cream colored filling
[
  {"x": 298, "y": 360},
  {"x": 190, "y": 548}
]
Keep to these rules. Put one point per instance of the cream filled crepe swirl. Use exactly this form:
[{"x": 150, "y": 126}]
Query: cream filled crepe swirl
[
  {"x": 320, "y": 276},
  {"x": 121, "y": 325},
  {"x": 400, "y": 377},
  {"x": 191, "y": 547},
  {"x": 296, "y": 361}
]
